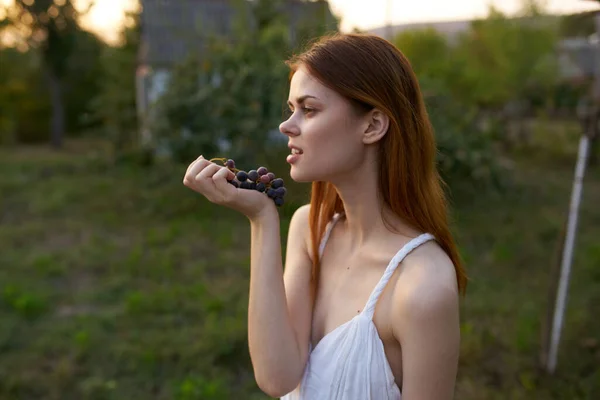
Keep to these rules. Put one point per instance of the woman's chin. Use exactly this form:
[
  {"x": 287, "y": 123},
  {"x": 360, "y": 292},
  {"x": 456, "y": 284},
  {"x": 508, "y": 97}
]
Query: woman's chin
[{"x": 298, "y": 177}]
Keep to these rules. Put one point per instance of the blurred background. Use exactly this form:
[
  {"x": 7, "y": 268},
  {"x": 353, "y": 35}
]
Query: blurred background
[{"x": 117, "y": 282}]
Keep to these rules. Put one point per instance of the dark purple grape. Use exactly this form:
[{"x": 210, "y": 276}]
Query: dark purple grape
[
  {"x": 234, "y": 183},
  {"x": 230, "y": 164},
  {"x": 281, "y": 191},
  {"x": 277, "y": 183},
  {"x": 253, "y": 175},
  {"x": 262, "y": 171},
  {"x": 271, "y": 175},
  {"x": 271, "y": 193},
  {"x": 242, "y": 176},
  {"x": 279, "y": 201},
  {"x": 253, "y": 185},
  {"x": 246, "y": 185},
  {"x": 265, "y": 179},
  {"x": 261, "y": 187}
]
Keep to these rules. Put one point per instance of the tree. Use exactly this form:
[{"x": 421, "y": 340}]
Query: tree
[
  {"x": 115, "y": 104},
  {"x": 580, "y": 24},
  {"x": 428, "y": 51},
  {"x": 505, "y": 59},
  {"x": 82, "y": 82},
  {"x": 498, "y": 60},
  {"x": 49, "y": 27},
  {"x": 24, "y": 107}
]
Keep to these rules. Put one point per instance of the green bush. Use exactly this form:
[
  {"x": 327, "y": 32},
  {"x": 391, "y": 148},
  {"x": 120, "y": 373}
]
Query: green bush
[{"x": 467, "y": 151}]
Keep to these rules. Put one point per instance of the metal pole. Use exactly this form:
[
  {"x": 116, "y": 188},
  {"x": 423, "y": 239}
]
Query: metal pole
[
  {"x": 597, "y": 59},
  {"x": 567, "y": 258},
  {"x": 594, "y": 130},
  {"x": 590, "y": 132}
]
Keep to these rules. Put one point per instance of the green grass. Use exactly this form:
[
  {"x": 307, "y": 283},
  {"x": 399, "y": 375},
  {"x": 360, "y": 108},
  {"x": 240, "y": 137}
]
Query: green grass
[{"x": 118, "y": 282}]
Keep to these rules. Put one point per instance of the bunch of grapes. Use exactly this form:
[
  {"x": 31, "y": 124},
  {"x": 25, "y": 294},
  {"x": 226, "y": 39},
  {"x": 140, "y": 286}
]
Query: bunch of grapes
[{"x": 257, "y": 179}]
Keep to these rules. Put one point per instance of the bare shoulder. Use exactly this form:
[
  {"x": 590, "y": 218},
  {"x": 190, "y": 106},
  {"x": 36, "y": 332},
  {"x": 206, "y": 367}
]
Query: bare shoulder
[
  {"x": 299, "y": 226},
  {"x": 426, "y": 286},
  {"x": 425, "y": 268},
  {"x": 300, "y": 218},
  {"x": 302, "y": 212},
  {"x": 425, "y": 322}
]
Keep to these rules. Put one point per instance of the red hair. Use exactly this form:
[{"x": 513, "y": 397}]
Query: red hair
[{"x": 372, "y": 73}]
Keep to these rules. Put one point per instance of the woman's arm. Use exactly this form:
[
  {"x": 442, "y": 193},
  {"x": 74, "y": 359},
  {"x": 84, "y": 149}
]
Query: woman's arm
[
  {"x": 426, "y": 323},
  {"x": 279, "y": 343}
]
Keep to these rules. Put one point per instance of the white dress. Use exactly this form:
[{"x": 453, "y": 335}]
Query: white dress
[{"x": 349, "y": 363}]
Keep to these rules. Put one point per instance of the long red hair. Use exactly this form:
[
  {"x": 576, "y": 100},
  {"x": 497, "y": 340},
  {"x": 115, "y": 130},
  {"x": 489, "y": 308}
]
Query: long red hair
[{"x": 372, "y": 73}]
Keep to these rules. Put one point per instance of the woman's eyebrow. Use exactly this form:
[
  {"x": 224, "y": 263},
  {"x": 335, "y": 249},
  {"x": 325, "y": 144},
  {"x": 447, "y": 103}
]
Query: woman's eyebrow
[{"x": 301, "y": 99}]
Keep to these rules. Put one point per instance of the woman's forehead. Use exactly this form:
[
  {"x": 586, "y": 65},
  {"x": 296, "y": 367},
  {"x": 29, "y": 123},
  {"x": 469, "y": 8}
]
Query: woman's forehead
[{"x": 304, "y": 84}]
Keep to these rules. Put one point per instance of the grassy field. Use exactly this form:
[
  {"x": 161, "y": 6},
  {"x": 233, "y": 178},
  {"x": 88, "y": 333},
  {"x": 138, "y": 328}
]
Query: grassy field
[{"x": 117, "y": 282}]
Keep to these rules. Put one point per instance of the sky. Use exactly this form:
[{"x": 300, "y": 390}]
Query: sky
[
  {"x": 108, "y": 15},
  {"x": 367, "y": 14}
]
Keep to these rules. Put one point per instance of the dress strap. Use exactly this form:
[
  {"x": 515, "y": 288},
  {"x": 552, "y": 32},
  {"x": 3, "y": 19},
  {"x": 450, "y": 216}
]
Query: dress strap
[
  {"x": 328, "y": 230},
  {"x": 396, "y": 260}
]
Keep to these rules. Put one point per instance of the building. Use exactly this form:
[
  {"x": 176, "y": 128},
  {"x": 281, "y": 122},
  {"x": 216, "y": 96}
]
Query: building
[{"x": 578, "y": 58}]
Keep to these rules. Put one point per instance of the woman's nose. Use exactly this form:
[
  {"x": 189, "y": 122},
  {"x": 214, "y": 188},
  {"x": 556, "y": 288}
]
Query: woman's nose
[{"x": 289, "y": 128}]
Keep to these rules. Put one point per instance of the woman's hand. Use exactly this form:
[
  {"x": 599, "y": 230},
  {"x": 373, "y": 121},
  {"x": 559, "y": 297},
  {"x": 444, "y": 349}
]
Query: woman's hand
[{"x": 211, "y": 181}]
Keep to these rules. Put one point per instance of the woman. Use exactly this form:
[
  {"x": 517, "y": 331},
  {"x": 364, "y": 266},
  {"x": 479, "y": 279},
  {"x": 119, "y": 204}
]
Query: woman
[{"x": 367, "y": 306}]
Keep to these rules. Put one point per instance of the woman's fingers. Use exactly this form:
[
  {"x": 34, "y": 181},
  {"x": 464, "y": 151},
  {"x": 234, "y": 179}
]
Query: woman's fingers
[
  {"x": 227, "y": 190},
  {"x": 207, "y": 172},
  {"x": 193, "y": 163},
  {"x": 197, "y": 167},
  {"x": 210, "y": 180},
  {"x": 202, "y": 178},
  {"x": 193, "y": 169}
]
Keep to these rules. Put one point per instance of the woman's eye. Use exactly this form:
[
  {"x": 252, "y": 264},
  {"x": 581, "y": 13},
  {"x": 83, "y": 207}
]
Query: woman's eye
[{"x": 305, "y": 110}]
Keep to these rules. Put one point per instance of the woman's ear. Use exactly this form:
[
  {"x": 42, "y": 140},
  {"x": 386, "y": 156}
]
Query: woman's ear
[{"x": 377, "y": 126}]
